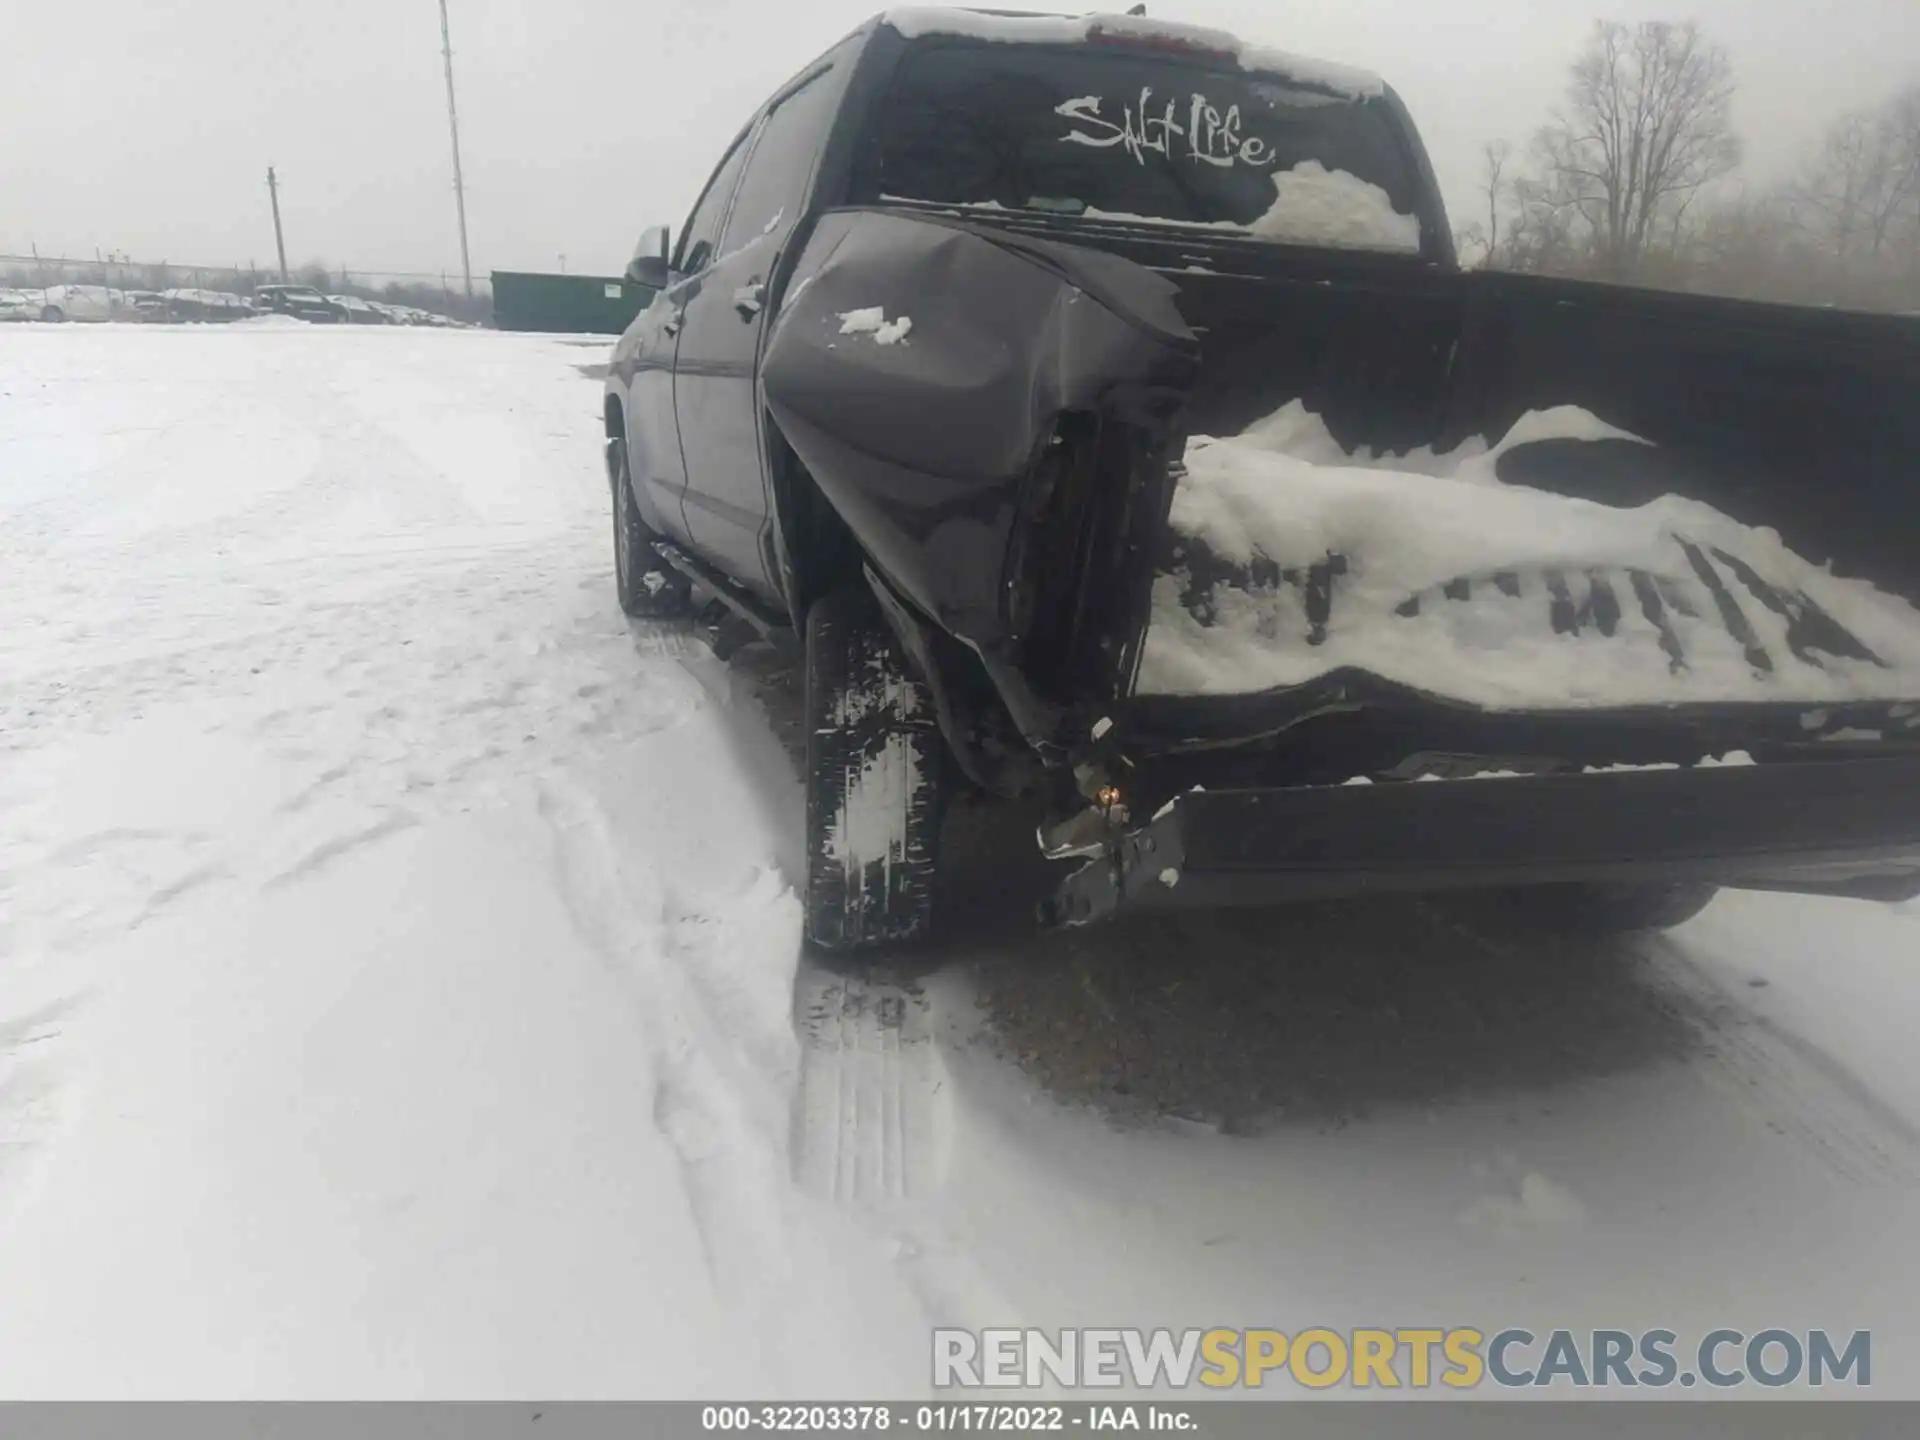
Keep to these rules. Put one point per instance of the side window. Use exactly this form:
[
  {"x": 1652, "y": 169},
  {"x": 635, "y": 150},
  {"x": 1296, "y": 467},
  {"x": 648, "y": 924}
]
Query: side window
[
  {"x": 781, "y": 166},
  {"x": 702, "y": 235}
]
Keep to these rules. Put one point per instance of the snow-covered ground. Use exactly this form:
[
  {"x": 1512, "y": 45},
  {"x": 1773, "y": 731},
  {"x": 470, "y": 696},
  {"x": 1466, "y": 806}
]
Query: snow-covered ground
[{"x": 401, "y": 991}]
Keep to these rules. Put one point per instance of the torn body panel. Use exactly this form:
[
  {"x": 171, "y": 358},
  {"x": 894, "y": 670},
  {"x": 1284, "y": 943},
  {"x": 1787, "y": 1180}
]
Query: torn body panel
[
  {"x": 992, "y": 416},
  {"x": 1004, "y": 422},
  {"x": 1000, "y": 419}
]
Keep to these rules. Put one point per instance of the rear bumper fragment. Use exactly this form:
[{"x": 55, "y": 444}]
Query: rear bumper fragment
[{"x": 1845, "y": 827}]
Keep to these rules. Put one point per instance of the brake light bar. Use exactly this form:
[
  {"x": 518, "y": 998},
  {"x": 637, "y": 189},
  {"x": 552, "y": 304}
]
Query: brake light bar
[{"x": 1164, "y": 39}]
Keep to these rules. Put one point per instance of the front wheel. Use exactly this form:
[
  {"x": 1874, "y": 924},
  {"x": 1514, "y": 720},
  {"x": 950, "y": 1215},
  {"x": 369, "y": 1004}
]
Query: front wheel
[
  {"x": 874, "y": 780},
  {"x": 53, "y": 314}
]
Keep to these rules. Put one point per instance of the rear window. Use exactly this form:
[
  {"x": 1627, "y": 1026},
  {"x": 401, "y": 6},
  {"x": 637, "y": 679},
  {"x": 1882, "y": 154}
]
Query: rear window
[{"x": 1074, "y": 130}]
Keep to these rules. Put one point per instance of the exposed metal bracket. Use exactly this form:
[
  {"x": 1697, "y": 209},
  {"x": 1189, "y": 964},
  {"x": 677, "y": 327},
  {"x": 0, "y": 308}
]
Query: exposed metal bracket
[{"x": 1153, "y": 855}]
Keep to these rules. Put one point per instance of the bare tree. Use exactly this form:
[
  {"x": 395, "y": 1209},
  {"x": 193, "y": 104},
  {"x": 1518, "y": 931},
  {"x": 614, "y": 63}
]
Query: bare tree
[
  {"x": 1855, "y": 206},
  {"x": 1493, "y": 158},
  {"x": 1544, "y": 230},
  {"x": 1848, "y": 196},
  {"x": 1626, "y": 184},
  {"x": 1903, "y": 123},
  {"x": 1483, "y": 239},
  {"x": 1647, "y": 126}
]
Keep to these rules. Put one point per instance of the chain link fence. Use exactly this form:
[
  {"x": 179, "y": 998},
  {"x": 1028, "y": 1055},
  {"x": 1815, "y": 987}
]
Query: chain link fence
[{"x": 437, "y": 292}]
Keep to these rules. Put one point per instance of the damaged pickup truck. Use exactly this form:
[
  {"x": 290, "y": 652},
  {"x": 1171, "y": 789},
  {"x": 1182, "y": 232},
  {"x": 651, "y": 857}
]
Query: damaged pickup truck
[{"x": 1097, "y": 405}]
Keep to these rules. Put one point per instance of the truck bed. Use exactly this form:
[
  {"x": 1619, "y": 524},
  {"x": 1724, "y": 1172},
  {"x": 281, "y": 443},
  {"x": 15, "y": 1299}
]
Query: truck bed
[{"x": 944, "y": 452}]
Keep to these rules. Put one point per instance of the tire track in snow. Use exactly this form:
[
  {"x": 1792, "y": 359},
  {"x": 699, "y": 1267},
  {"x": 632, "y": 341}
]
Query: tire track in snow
[
  {"x": 337, "y": 847},
  {"x": 1775, "y": 1079},
  {"x": 718, "y": 1114},
  {"x": 1785, "y": 1084},
  {"x": 871, "y": 1120},
  {"x": 33, "y": 1098},
  {"x": 496, "y": 670},
  {"x": 727, "y": 1098},
  {"x": 873, "y": 1133}
]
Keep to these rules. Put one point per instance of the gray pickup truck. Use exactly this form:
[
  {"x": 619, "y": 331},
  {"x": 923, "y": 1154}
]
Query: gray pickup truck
[{"x": 1098, "y": 408}]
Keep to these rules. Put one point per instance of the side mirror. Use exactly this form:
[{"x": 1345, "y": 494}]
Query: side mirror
[{"x": 649, "y": 264}]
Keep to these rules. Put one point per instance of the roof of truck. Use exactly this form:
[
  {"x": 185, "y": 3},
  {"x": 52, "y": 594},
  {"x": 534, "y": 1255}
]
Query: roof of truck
[{"x": 1018, "y": 27}]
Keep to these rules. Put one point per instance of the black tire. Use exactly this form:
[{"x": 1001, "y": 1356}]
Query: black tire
[
  {"x": 1612, "y": 909},
  {"x": 648, "y": 587},
  {"x": 874, "y": 779},
  {"x": 53, "y": 314}
]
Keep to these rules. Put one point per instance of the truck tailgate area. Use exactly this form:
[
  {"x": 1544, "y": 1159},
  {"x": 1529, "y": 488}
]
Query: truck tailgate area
[
  {"x": 1845, "y": 827},
  {"x": 1533, "y": 494}
]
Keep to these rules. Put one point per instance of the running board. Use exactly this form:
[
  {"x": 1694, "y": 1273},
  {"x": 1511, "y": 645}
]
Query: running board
[{"x": 772, "y": 627}]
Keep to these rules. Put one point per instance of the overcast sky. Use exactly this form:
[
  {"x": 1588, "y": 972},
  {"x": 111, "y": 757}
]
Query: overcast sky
[{"x": 146, "y": 126}]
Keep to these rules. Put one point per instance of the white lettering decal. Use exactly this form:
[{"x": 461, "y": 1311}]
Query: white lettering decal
[{"x": 1212, "y": 138}]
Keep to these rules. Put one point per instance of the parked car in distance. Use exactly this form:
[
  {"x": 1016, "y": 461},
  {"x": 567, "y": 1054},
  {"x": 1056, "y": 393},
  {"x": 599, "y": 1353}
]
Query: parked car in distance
[
  {"x": 414, "y": 315},
  {"x": 19, "y": 305},
  {"x": 356, "y": 311},
  {"x": 303, "y": 302},
  {"x": 84, "y": 302},
  {"x": 205, "y": 305},
  {"x": 148, "y": 305}
]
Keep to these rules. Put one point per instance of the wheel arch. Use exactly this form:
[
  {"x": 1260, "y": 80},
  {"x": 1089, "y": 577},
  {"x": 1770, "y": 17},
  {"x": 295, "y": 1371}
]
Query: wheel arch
[{"x": 812, "y": 552}]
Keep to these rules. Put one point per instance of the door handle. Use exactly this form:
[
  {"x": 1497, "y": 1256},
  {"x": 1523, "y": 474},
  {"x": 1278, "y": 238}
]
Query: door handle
[{"x": 749, "y": 299}]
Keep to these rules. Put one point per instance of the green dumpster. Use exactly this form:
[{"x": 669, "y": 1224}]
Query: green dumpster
[{"x": 566, "y": 304}]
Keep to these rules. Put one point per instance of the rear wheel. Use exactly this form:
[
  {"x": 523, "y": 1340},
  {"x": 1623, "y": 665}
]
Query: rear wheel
[
  {"x": 1613, "y": 909},
  {"x": 875, "y": 764},
  {"x": 648, "y": 587}
]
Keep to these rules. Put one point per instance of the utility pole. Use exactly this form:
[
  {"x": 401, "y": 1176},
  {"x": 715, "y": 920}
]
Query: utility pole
[
  {"x": 279, "y": 240},
  {"x": 453, "y": 124}
]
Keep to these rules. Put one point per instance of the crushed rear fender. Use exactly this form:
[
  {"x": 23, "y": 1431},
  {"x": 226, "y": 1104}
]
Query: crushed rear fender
[{"x": 922, "y": 422}]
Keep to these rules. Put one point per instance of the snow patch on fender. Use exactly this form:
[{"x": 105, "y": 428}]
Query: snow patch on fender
[{"x": 872, "y": 320}]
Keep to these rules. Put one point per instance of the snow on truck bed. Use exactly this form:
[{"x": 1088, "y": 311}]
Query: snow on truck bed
[{"x": 1286, "y": 493}]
